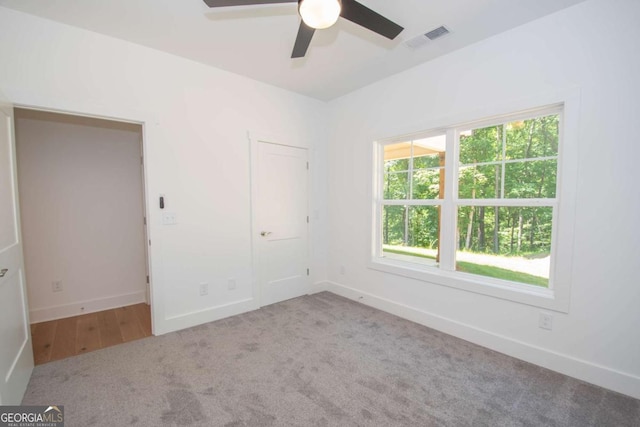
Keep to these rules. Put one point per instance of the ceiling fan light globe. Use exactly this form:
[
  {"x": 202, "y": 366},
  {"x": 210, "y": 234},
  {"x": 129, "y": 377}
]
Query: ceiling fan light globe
[{"x": 319, "y": 14}]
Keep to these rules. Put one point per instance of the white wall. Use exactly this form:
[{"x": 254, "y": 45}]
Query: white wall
[
  {"x": 591, "y": 47},
  {"x": 196, "y": 120},
  {"x": 81, "y": 206}
]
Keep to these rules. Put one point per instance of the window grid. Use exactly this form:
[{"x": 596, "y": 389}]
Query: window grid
[
  {"x": 503, "y": 174},
  {"x": 451, "y": 203}
]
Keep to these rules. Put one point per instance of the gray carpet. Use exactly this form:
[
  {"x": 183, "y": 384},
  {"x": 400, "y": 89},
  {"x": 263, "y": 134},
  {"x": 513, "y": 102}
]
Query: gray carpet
[{"x": 319, "y": 360}]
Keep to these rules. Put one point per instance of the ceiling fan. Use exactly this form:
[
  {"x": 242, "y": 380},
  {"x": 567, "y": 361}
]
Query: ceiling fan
[{"x": 321, "y": 14}]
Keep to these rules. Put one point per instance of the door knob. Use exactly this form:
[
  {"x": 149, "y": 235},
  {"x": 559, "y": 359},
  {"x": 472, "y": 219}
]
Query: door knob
[
  {"x": 265, "y": 233},
  {"x": 3, "y": 272}
]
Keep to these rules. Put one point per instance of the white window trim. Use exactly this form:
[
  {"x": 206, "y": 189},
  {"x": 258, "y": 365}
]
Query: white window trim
[{"x": 557, "y": 296}]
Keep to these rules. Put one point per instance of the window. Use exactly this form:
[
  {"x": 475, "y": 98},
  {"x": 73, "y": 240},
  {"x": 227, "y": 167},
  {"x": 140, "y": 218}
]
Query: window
[
  {"x": 412, "y": 197},
  {"x": 475, "y": 206}
]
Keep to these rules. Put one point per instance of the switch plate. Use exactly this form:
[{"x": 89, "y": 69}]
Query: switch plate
[
  {"x": 169, "y": 218},
  {"x": 545, "y": 321},
  {"x": 204, "y": 289}
]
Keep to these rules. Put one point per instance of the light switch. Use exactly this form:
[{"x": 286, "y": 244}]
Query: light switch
[{"x": 169, "y": 218}]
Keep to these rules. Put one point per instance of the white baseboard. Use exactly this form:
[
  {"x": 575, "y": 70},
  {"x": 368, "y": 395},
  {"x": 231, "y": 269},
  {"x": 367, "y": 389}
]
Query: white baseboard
[
  {"x": 45, "y": 314},
  {"x": 602, "y": 376},
  {"x": 318, "y": 287},
  {"x": 211, "y": 314}
]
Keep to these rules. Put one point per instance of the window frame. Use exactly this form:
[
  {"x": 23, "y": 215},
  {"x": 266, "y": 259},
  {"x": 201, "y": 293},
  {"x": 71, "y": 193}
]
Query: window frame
[{"x": 556, "y": 296}]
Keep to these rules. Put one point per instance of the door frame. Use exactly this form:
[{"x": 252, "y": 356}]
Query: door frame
[
  {"x": 254, "y": 140},
  {"x": 145, "y": 193},
  {"x": 22, "y": 365}
]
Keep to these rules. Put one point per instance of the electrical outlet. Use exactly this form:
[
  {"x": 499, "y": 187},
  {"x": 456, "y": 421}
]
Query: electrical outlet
[
  {"x": 232, "y": 284},
  {"x": 342, "y": 270},
  {"x": 56, "y": 286},
  {"x": 204, "y": 289},
  {"x": 545, "y": 321}
]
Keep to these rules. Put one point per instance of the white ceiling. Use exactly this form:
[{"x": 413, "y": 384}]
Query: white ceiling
[{"x": 256, "y": 41}]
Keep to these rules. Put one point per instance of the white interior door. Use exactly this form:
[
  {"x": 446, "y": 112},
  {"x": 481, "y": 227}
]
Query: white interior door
[
  {"x": 281, "y": 219},
  {"x": 16, "y": 354}
]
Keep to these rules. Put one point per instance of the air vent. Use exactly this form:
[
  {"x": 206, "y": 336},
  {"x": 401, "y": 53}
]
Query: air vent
[
  {"x": 416, "y": 42},
  {"x": 423, "y": 39},
  {"x": 437, "y": 33}
]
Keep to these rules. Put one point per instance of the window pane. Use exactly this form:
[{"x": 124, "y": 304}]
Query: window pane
[
  {"x": 396, "y": 186},
  {"x": 530, "y": 179},
  {"x": 426, "y": 151},
  {"x": 411, "y": 233},
  {"x": 481, "y": 145},
  {"x": 396, "y": 171},
  {"x": 396, "y": 165},
  {"x": 528, "y": 139},
  {"x": 393, "y": 225},
  {"x": 509, "y": 243},
  {"x": 479, "y": 182},
  {"x": 428, "y": 167},
  {"x": 426, "y": 184},
  {"x": 428, "y": 161},
  {"x": 396, "y": 156}
]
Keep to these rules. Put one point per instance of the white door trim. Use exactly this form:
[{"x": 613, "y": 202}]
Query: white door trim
[{"x": 254, "y": 140}]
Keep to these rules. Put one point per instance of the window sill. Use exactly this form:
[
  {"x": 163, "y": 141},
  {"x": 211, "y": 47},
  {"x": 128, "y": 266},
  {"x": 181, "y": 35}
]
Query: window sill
[{"x": 524, "y": 294}]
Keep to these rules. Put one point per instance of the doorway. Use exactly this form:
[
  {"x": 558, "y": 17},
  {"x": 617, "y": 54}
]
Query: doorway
[
  {"x": 81, "y": 186},
  {"x": 281, "y": 220}
]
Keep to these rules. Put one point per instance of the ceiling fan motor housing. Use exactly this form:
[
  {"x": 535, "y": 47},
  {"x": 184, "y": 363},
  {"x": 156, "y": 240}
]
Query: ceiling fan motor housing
[{"x": 319, "y": 14}]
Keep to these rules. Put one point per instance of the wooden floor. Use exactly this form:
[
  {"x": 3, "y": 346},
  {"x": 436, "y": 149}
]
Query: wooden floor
[{"x": 59, "y": 339}]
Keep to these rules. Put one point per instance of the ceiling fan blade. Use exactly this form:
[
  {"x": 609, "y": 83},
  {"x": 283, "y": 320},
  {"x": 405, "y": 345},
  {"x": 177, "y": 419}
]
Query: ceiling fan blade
[
  {"x": 305, "y": 33},
  {"x": 363, "y": 16},
  {"x": 225, "y": 3}
]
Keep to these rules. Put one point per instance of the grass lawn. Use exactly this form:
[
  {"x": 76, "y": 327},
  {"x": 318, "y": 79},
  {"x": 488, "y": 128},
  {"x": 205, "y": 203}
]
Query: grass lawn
[{"x": 484, "y": 270}]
